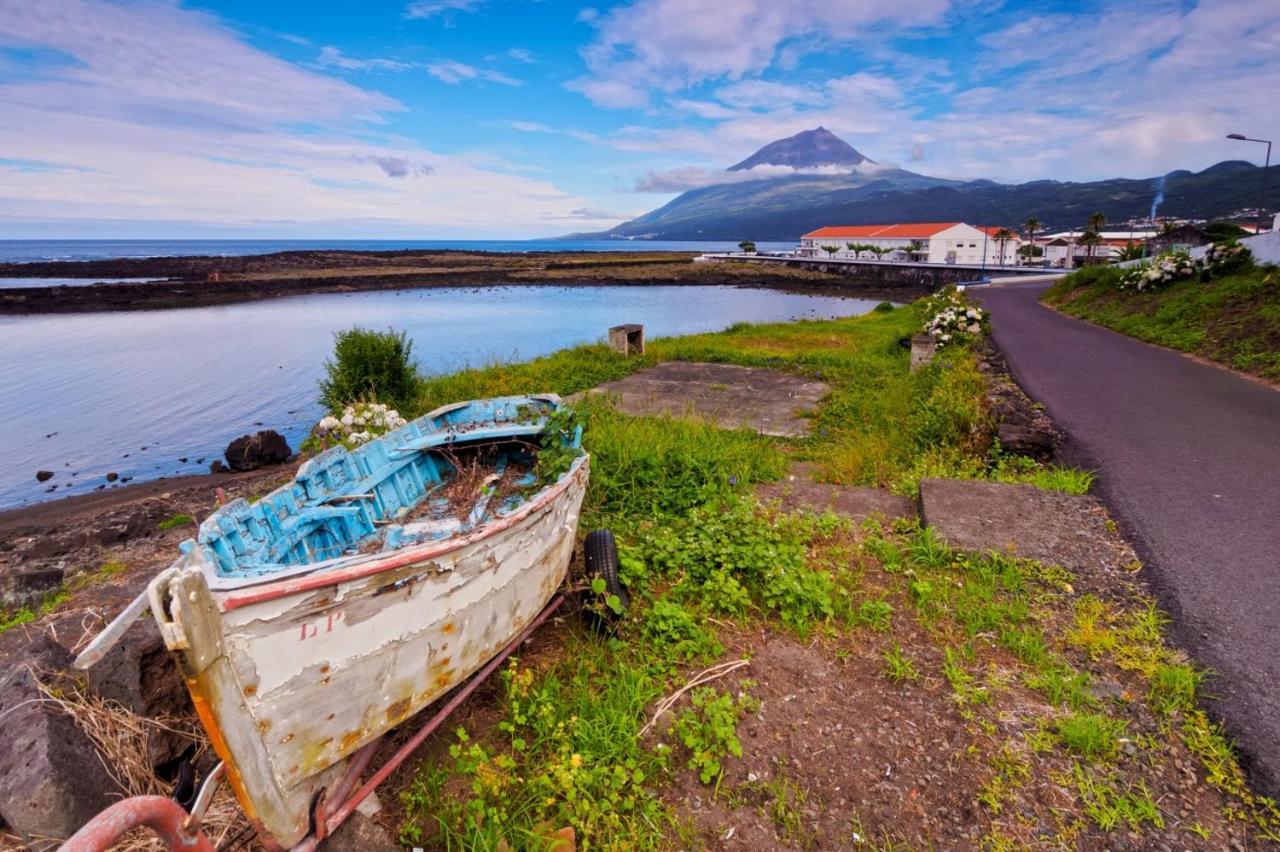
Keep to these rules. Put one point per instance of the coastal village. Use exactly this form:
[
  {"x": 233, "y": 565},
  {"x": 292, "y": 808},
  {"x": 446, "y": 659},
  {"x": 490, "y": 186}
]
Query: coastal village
[{"x": 832, "y": 503}]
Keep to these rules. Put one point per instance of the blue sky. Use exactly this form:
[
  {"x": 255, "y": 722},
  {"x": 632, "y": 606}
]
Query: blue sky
[{"x": 499, "y": 118}]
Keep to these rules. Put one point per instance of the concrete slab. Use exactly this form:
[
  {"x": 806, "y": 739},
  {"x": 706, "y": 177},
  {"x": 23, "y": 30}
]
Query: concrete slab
[
  {"x": 799, "y": 492},
  {"x": 769, "y": 401},
  {"x": 1063, "y": 529}
]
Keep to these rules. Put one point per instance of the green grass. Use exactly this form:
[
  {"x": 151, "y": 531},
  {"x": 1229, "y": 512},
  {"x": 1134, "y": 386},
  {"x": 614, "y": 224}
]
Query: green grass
[
  {"x": 27, "y": 614},
  {"x": 1112, "y": 803},
  {"x": 1091, "y": 735},
  {"x": 700, "y": 557},
  {"x": 898, "y": 667},
  {"x": 1234, "y": 320},
  {"x": 882, "y": 425},
  {"x": 175, "y": 521}
]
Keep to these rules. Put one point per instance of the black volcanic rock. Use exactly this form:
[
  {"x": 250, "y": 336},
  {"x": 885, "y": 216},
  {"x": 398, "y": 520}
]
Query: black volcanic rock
[
  {"x": 250, "y": 452},
  {"x": 817, "y": 147}
]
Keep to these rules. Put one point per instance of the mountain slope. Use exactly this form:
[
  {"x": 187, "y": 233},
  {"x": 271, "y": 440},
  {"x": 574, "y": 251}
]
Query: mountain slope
[
  {"x": 783, "y": 208},
  {"x": 817, "y": 147}
]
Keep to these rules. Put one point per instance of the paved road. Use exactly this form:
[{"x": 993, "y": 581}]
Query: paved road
[{"x": 1188, "y": 460}]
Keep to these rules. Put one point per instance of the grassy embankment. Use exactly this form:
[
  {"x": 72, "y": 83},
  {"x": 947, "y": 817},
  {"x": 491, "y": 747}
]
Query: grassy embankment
[
  {"x": 1233, "y": 319},
  {"x": 1008, "y": 649}
]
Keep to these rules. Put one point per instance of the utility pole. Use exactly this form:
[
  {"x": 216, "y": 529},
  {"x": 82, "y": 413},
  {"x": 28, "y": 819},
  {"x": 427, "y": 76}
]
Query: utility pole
[{"x": 1267, "y": 167}]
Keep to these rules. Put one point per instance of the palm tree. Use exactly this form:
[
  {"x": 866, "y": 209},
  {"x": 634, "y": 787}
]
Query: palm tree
[
  {"x": 1002, "y": 237},
  {"x": 1093, "y": 230},
  {"x": 1031, "y": 225},
  {"x": 1090, "y": 239}
]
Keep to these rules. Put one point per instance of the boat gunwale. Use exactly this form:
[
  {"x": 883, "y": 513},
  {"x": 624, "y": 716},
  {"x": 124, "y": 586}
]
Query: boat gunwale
[{"x": 228, "y": 600}]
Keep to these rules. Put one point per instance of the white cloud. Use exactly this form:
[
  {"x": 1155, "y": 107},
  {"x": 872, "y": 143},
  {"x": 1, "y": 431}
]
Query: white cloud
[
  {"x": 332, "y": 57},
  {"x": 685, "y": 178},
  {"x": 1153, "y": 88},
  {"x": 764, "y": 94},
  {"x": 669, "y": 45},
  {"x": 432, "y": 8},
  {"x": 520, "y": 54},
  {"x": 167, "y": 116},
  {"x": 453, "y": 73},
  {"x": 538, "y": 127},
  {"x": 398, "y": 167},
  {"x": 595, "y": 214}
]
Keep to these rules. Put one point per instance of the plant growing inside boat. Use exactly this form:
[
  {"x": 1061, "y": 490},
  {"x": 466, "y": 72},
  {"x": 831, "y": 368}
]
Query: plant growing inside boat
[
  {"x": 369, "y": 365},
  {"x": 561, "y": 444}
]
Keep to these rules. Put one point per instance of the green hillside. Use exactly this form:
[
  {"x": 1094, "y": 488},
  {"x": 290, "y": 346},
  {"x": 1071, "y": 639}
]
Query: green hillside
[{"x": 784, "y": 208}]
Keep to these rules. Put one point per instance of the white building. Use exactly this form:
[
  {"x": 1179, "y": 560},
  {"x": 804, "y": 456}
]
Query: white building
[
  {"x": 1064, "y": 250},
  {"x": 923, "y": 242}
]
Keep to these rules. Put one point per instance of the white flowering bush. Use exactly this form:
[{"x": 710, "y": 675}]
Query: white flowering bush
[
  {"x": 1227, "y": 257},
  {"x": 951, "y": 319},
  {"x": 1162, "y": 271},
  {"x": 358, "y": 424}
]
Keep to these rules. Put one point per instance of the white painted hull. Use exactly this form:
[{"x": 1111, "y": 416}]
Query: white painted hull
[{"x": 291, "y": 677}]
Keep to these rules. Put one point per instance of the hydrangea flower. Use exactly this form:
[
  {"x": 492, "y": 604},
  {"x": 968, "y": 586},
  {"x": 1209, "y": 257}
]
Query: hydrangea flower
[{"x": 359, "y": 423}]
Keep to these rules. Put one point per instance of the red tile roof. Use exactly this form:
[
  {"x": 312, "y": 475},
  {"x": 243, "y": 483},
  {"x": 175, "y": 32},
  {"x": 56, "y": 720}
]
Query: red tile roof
[{"x": 914, "y": 231}]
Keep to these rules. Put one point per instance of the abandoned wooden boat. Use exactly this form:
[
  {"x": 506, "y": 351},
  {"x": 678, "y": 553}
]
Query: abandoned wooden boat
[{"x": 312, "y": 621}]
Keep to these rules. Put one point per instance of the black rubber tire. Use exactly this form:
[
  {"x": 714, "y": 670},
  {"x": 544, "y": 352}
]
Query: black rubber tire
[{"x": 600, "y": 559}]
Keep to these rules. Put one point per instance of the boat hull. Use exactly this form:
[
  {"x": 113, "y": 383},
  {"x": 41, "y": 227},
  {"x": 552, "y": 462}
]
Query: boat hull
[{"x": 290, "y": 678}]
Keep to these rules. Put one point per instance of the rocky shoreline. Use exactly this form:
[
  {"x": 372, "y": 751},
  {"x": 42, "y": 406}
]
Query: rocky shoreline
[{"x": 204, "y": 281}]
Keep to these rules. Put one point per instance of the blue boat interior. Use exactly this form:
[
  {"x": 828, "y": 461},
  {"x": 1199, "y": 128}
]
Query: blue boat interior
[{"x": 442, "y": 475}]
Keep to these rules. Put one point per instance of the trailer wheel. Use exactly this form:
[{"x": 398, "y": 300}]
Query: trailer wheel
[{"x": 600, "y": 555}]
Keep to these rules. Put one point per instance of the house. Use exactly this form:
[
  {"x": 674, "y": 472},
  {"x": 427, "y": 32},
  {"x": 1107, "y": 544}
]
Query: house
[
  {"x": 1181, "y": 238},
  {"x": 923, "y": 242},
  {"x": 1064, "y": 249}
]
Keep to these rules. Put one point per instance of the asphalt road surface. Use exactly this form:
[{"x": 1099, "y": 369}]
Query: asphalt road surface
[{"x": 1188, "y": 461}]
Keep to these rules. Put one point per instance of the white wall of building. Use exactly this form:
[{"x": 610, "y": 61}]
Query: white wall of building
[{"x": 959, "y": 244}]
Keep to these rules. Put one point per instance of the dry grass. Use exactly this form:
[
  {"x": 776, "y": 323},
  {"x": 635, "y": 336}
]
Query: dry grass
[{"x": 121, "y": 739}]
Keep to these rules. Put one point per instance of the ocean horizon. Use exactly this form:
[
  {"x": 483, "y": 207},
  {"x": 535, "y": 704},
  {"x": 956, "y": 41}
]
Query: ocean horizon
[{"x": 34, "y": 251}]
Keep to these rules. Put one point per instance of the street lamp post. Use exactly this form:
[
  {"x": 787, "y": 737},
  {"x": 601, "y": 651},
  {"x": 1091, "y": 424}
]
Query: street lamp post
[{"x": 1242, "y": 138}]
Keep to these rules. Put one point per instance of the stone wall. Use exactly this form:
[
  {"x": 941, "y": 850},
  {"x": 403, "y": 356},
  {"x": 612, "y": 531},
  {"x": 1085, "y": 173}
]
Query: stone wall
[{"x": 889, "y": 275}]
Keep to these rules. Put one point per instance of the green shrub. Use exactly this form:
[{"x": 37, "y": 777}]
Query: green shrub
[
  {"x": 727, "y": 551},
  {"x": 675, "y": 635},
  {"x": 646, "y": 467},
  {"x": 368, "y": 365},
  {"x": 709, "y": 730}
]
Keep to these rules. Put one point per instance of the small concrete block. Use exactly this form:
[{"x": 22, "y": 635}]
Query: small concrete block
[
  {"x": 627, "y": 339},
  {"x": 923, "y": 347},
  {"x": 1021, "y": 520}
]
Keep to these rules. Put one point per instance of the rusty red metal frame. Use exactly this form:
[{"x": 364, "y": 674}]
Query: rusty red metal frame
[
  {"x": 162, "y": 815},
  {"x": 167, "y": 818}
]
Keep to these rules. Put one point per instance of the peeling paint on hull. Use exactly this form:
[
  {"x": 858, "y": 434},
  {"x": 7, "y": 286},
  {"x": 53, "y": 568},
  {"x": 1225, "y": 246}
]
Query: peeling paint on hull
[{"x": 293, "y": 677}]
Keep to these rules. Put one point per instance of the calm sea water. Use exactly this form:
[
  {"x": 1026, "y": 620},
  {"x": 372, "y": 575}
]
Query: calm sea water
[
  {"x": 23, "y": 251},
  {"x": 135, "y": 393}
]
